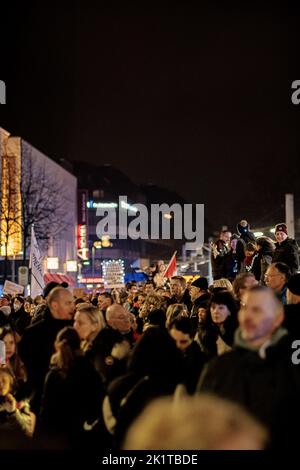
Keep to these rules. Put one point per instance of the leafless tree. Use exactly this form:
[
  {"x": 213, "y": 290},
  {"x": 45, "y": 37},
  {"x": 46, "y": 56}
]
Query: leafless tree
[
  {"x": 44, "y": 204},
  {"x": 31, "y": 196}
]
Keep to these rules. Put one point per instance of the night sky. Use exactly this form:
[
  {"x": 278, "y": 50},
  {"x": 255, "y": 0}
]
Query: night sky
[{"x": 197, "y": 100}]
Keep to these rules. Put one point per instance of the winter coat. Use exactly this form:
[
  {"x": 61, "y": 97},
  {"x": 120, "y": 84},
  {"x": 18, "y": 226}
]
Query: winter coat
[
  {"x": 266, "y": 384},
  {"x": 20, "y": 320},
  {"x": 292, "y": 320},
  {"x": 260, "y": 263},
  {"x": 185, "y": 299},
  {"x": 155, "y": 368},
  {"x": 193, "y": 362},
  {"x": 232, "y": 265},
  {"x": 217, "y": 262},
  {"x": 71, "y": 399},
  {"x": 99, "y": 354},
  {"x": 287, "y": 252},
  {"x": 36, "y": 348}
]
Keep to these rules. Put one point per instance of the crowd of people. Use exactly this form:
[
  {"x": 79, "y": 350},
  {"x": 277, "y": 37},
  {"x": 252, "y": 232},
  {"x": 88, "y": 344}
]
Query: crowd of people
[{"x": 161, "y": 364}]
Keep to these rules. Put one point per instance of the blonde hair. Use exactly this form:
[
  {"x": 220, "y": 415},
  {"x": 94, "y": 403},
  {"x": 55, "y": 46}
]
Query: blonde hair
[
  {"x": 95, "y": 316},
  {"x": 224, "y": 283},
  {"x": 199, "y": 422},
  {"x": 174, "y": 311}
]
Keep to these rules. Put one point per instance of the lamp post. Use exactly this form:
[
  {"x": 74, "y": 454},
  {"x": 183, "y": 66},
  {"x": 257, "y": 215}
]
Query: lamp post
[
  {"x": 96, "y": 245},
  {"x": 93, "y": 260},
  {"x": 208, "y": 250}
]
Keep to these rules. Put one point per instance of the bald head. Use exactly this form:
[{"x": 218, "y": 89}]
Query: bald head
[
  {"x": 118, "y": 318},
  {"x": 61, "y": 304}
]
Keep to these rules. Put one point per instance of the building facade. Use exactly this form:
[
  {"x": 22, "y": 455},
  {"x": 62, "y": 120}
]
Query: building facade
[{"x": 35, "y": 190}]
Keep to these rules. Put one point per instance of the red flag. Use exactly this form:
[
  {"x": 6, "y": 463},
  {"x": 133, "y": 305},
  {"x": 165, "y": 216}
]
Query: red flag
[{"x": 171, "y": 268}]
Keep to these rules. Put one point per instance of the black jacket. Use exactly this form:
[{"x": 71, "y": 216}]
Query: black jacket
[
  {"x": 287, "y": 252},
  {"x": 100, "y": 354},
  {"x": 70, "y": 400},
  {"x": 20, "y": 320},
  {"x": 268, "y": 388},
  {"x": 36, "y": 348},
  {"x": 200, "y": 302},
  {"x": 292, "y": 320},
  {"x": 185, "y": 299},
  {"x": 193, "y": 362},
  {"x": 4, "y": 320},
  {"x": 260, "y": 262},
  {"x": 218, "y": 262}
]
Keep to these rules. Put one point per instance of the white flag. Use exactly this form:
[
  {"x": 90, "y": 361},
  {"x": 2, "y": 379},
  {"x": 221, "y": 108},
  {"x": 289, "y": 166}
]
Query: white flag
[{"x": 37, "y": 283}]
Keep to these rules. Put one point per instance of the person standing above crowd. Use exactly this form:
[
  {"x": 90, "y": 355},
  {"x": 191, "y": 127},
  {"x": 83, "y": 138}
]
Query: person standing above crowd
[
  {"x": 234, "y": 258},
  {"x": 262, "y": 258},
  {"x": 286, "y": 249},
  {"x": 218, "y": 251},
  {"x": 159, "y": 279},
  {"x": 243, "y": 228}
]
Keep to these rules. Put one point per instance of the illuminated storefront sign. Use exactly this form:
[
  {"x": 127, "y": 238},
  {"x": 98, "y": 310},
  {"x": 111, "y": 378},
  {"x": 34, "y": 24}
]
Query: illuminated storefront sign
[
  {"x": 111, "y": 205},
  {"x": 91, "y": 280},
  {"x": 52, "y": 263},
  {"x": 82, "y": 232},
  {"x": 71, "y": 266}
]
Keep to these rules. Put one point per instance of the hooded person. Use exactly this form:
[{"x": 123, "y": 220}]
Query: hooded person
[
  {"x": 245, "y": 237},
  {"x": 286, "y": 248},
  {"x": 243, "y": 228}
]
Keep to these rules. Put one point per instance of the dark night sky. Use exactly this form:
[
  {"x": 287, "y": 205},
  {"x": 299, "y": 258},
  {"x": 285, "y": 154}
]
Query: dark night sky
[{"x": 193, "y": 99}]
